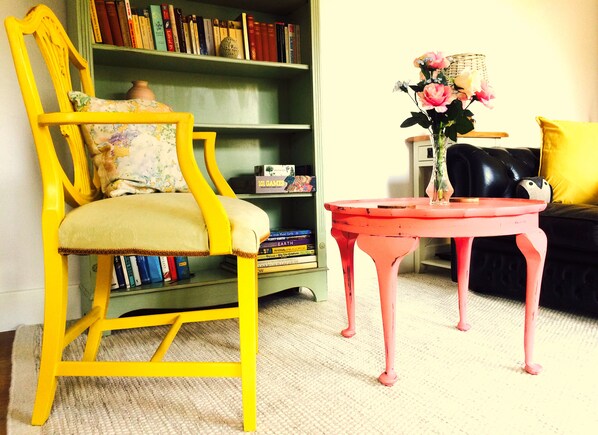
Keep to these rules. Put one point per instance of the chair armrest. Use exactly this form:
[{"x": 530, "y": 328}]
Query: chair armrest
[
  {"x": 209, "y": 154},
  {"x": 217, "y": 221}
]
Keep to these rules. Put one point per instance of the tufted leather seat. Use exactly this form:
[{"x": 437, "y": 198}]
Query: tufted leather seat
[{"x": 570, "y": 279}]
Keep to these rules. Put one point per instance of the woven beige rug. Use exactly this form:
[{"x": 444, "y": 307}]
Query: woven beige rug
[{"x": 313, "y": 381}]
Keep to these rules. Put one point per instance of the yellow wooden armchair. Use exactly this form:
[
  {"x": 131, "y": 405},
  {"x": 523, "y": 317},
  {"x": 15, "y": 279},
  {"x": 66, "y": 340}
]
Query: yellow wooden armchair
[{"x": 196, "y": 223}]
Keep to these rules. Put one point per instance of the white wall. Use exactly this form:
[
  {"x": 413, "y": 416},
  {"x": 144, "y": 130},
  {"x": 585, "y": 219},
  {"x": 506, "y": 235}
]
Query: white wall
[{"x": 541, "y": 60}]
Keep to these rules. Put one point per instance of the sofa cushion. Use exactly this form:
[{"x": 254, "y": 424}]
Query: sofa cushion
[
  {"x": 568, "y": 160},
  {"x": 571, "y": 226}
]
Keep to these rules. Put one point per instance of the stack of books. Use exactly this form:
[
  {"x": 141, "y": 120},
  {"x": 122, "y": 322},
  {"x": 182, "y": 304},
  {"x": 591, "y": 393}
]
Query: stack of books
[
  {"x": 132, "y": 271},
  {"x": 286, "y": 249}
]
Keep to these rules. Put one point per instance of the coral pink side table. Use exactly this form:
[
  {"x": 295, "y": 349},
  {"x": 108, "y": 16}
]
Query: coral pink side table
[{"x": 388, "y": 229}]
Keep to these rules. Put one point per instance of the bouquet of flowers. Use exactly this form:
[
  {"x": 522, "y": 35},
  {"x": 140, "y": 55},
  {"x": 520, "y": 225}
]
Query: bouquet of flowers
[
  {"x": 443, "y": 102},
  {"x": 443, "y": 109}
]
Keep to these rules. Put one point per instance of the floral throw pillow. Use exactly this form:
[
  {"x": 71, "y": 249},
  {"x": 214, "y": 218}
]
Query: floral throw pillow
[{"x": 131, "y": 158}]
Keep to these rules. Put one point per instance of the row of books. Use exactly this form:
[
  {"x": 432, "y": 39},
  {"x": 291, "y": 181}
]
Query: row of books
[
  {"x": 132, "y": 271},
  {"x": 166, "y": 28},
  {"x": 285, "y": 249}
]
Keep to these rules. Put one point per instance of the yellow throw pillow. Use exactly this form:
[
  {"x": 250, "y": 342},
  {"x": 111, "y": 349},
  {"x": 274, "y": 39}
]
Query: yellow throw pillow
[{"x": 569, "y": 160}]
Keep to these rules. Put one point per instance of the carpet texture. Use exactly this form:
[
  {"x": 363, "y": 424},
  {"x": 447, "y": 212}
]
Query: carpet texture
[{"x": 311, "y": 380}]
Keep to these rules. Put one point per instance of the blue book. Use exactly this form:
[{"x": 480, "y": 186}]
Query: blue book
[
  {"x": 182, "y": 267},
  {"x": 154, "y": 269},
  {"x": 143, "y": 269}
]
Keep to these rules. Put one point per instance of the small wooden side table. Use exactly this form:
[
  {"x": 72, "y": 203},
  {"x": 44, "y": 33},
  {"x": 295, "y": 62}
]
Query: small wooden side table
[
  {"x": 421, "y": 169},
  {"x": 389, "y": 229}
]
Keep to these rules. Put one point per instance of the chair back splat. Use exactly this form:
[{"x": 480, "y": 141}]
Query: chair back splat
[{"x": 154, "y": 219}]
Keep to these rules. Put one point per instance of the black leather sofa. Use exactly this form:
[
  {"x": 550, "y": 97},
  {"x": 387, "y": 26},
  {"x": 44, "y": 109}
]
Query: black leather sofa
[{"x": 570, "y": 281}]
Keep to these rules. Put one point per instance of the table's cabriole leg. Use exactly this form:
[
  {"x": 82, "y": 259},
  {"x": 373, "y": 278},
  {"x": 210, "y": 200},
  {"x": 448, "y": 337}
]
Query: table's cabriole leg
[
  {"x": 463, "y": 246},
  {"x": 346, "y": 245},
  {"x": 387, "y": 253},
  {"x": 533, "y": 247}
]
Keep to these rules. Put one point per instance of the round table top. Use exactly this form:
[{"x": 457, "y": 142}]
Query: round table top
[{"x": 420, "y": 207}]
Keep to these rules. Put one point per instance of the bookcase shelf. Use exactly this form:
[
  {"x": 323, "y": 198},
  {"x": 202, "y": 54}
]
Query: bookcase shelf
[
  {"x": 111, "y": 55},
  {"x": 262, "y": 112}
]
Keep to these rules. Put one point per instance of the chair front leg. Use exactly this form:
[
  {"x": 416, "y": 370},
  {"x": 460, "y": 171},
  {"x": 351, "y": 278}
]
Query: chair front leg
[
  {"x": 101, "y": 299},
  {"x": 56, "y": 296},
  {"x": 247, "y": 294}
]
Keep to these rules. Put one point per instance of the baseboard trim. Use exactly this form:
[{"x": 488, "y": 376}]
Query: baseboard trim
[{"x": 26, "y": 307}]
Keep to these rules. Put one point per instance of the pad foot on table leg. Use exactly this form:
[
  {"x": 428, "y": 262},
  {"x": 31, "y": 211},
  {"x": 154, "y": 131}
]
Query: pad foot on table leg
[
  {"x": 533, "y": 369},
  {"x": 348, "y": 332},
  {"x": 463, "y": 326},
  {"x": 388, "y": 379}
]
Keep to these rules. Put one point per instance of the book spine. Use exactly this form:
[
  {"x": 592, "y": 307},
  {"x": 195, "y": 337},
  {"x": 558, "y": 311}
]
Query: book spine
[
  {"x": 209, "y": 32},
  {"x": 178, "y": 19},
  {"x": 287, "y": 260},
  {"x": 143, "y": 267},
  {"x": 114, "y": 283},
  {"x": 136, "y": 29},
  {"x": 259, "y": 50},
  {"x": 173, "y": 26},
  {"x": 251, "y": 38},
  {"x": 286, "y": 254},
  {"x": 158, "y": 27},
  {"x": 154, "y": 269},
  {"x": 291, "y": 47},
  {"x": 118, "y": 269},
  {"x": 95, "y": 23},
  {"x": 297, "y": 43},
  {"x": 287, "y": 267},
  {"x": 135, "y": 267},
  {"x": 128, "y": 269},
  {"x": 201, "y": 35},
  {"x": 217, "y": 36},
  {"x": 283, "y": 232},
  {"x": 285, "y": 249},
  {"x": 104, "y": 22},
  {"x": 188, "y": 39},
  {"x": 182, "y": 267},
  {"x": 134, "y": 42},
  {"x": 121, "y": 10},
  {"x": 167, "y": 27},
  {"x": 166, "y": 277},
  {"x": 148, "y": 29},
  {"x": 192, "y": 34},
  {"x": 114, "y": 23},
  {"x": 280, "y": 43},
  {"x": 304, "y": 240},
  {"x": 272, "y": 47},
  {"x": 244, "y": 26},
  {"x": 172, "y": 267}
]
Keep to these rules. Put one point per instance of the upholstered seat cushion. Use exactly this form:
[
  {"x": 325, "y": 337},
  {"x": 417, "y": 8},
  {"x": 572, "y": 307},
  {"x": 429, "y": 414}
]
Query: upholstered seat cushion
[{"x": 157, "y": 224}]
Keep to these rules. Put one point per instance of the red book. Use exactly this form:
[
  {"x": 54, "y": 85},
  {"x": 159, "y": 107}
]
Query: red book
[
  {"x": 264, "y": 35},
  {"x": 172, "y": 267},
  {"x": 272, "y": 46},
  {"x": 251, "y": 37},
  {"x": 104, "y": 22},
  {"x": 167, "y": 27},
  {"x": 117, "y": 37},
  {"x": 259, "y": 52}
]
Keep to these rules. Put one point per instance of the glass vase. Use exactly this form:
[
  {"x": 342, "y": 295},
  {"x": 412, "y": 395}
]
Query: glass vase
[{"x": 439, "y": 188}]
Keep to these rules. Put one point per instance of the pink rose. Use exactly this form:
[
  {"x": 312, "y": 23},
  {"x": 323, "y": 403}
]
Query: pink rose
[
  {"x": 485, "y": 94},
  {"x": 432, "y": 60},
  {"x": 436, "y": 96}
]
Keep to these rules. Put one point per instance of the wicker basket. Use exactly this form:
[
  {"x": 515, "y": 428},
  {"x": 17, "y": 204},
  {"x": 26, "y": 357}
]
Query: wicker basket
[{"x": 467, "y": 60}]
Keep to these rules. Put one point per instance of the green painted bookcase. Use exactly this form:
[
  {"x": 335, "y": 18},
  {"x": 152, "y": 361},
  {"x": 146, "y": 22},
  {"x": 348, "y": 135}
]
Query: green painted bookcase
[{"x": 263, "y": 113}]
